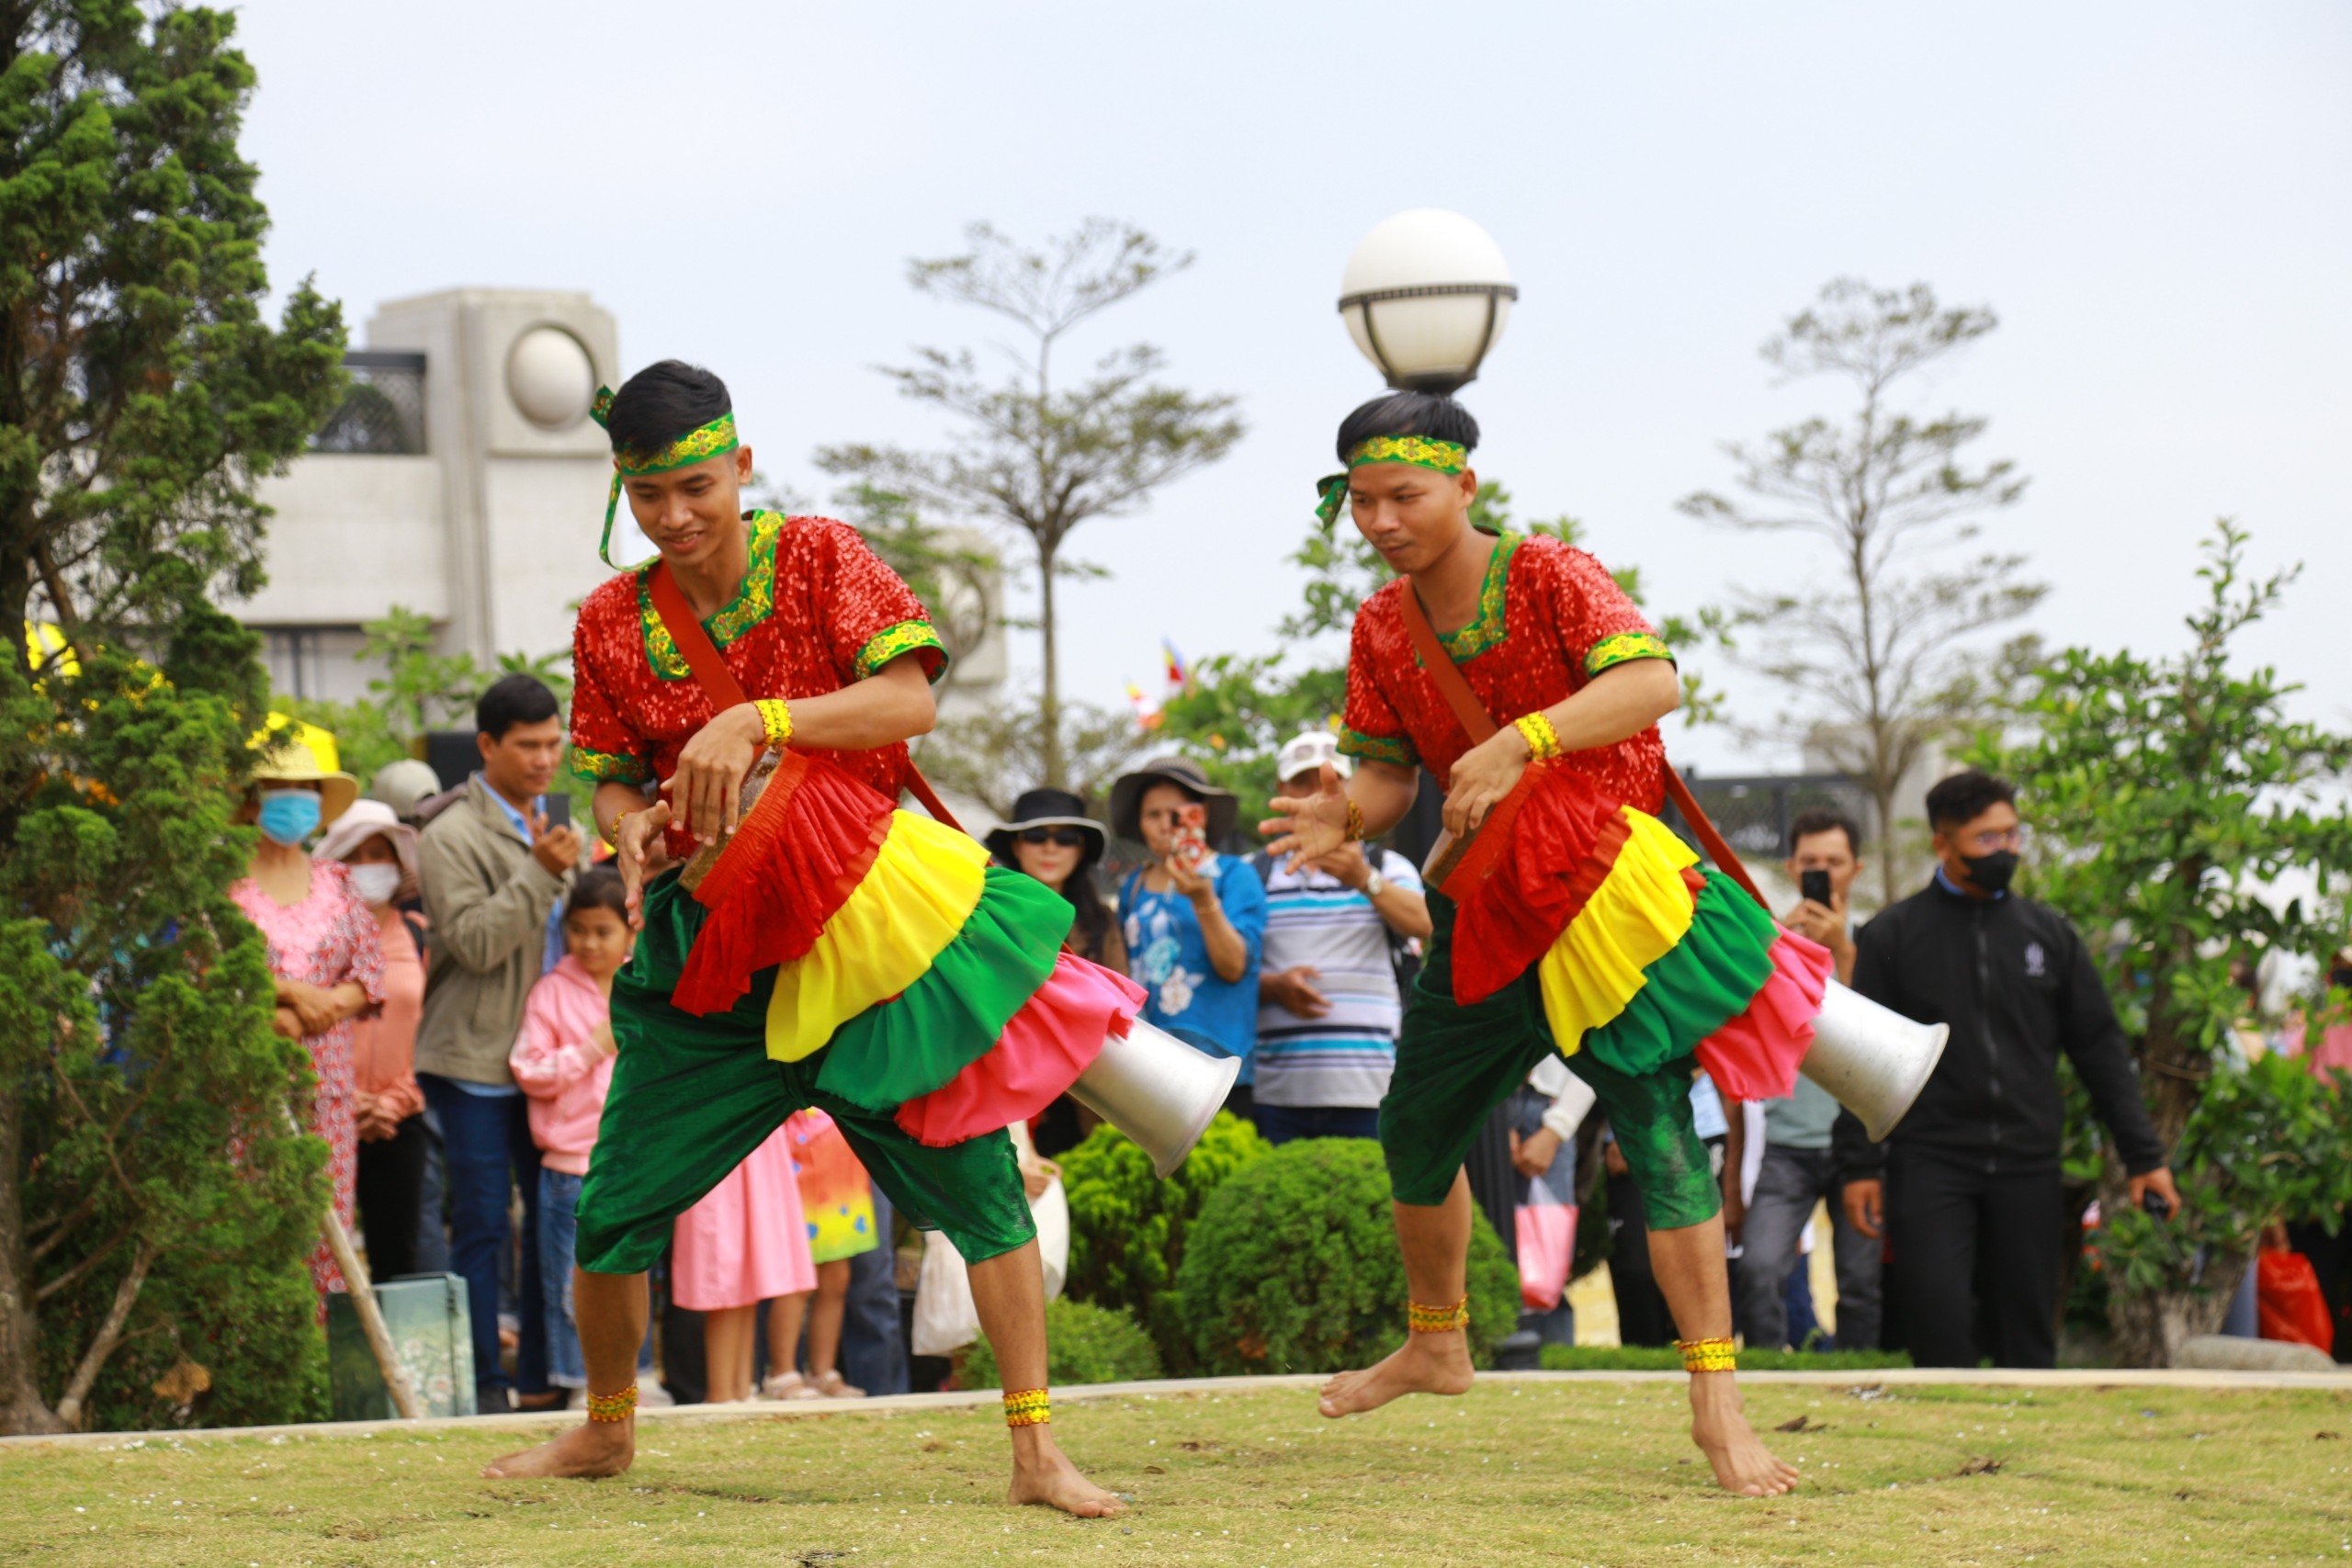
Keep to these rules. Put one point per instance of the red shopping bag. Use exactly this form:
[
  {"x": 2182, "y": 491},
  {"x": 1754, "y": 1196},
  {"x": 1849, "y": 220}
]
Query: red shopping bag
[
  {"x": 2288, "y": 1302},
  {"x": 1547, "y": 1247}
]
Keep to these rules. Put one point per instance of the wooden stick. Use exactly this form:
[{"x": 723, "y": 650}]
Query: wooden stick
[{"x": 363, "y": 1300}]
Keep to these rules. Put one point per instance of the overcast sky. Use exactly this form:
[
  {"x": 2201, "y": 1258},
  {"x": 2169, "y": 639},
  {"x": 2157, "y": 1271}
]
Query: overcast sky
[{"x": 2155, "y": 197}]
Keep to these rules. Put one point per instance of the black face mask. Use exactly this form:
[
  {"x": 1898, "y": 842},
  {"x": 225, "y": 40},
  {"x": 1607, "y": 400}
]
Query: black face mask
[{"x": 1991, "y": 873}]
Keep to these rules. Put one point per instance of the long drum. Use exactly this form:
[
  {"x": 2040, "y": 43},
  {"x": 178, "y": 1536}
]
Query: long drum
[{"x": 1873, "y": 1060}]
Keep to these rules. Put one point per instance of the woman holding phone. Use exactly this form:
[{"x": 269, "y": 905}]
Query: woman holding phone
[{"x": 1193, "y": 921}]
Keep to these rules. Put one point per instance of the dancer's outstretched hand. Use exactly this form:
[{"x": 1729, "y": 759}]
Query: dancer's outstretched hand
[{"x": 1305, "y": 827}]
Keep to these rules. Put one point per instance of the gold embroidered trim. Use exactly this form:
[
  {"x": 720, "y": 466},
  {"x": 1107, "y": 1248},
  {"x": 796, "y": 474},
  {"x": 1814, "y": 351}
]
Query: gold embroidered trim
[
  {"x": 753, "y": 603},
  {"x": 1396, "y": 749},
  {"x": 1623, "y": 649},
  {"x": 891, "y": 642},
  {"x": 617, "y": 766}
]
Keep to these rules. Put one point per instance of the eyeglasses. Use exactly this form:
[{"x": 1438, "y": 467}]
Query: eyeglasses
[
  {"x": 1991, "y": 839},
  {"x": 1068, "y": 838}
]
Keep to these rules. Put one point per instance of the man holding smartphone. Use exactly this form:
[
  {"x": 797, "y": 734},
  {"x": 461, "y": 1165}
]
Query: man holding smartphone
[{"x": 1799, "y": 1168}]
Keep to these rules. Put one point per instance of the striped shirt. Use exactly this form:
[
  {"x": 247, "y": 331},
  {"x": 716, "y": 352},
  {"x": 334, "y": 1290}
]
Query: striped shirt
[{"x": 1341, "y": 1059}]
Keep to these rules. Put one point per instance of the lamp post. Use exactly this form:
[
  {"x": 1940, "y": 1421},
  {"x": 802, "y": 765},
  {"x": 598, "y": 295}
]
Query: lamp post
[{"x": 1425, "y": 296}]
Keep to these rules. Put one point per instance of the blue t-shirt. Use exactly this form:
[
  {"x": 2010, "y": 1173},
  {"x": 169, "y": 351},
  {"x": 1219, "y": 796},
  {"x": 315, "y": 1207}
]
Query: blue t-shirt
[{"x": 1167, "y": 957}]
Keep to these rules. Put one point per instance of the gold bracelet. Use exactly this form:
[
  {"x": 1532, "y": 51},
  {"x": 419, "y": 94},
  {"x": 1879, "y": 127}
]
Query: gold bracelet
[
  {"x": 612, "y": 1406},
  {"x": 1355, "y": 821},
  {"x": 775, "y": 718},
  {"x": 1543, "y": 740},
  {"x": 1708, "y": 1355},
  {"x": 1029, "y": 1407},
  {"x": 612, "y": 835},
  {"x": 1419, "y": 1319}
]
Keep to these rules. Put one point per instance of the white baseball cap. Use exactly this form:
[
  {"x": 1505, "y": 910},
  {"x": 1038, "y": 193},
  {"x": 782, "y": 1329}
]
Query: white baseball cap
[{"x": 1308, "y": 752}]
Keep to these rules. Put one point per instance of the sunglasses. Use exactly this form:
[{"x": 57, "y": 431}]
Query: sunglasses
[{"x": 1068, "y": 838}]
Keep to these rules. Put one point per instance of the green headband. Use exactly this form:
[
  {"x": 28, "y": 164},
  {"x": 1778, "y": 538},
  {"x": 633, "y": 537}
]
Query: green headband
[
  {"x": 1421, "y": 451},
  {"x": 702, "y": 441}
]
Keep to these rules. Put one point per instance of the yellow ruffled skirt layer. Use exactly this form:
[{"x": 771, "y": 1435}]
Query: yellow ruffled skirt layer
[
  {"x": 925, "y": 884},
  {"x": 1639, "y": 913}
]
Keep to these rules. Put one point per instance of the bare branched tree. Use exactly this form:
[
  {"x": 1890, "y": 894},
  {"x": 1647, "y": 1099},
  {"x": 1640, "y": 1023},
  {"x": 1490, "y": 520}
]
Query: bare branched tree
[
  {"x": 1034, "y": 453},
  {"x": 1886, "y": 663}
]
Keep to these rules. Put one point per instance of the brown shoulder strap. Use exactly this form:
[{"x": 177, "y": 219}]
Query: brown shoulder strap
[
  {"x": 719, "y": 682},
  {"x": 1477, "y": 723}
]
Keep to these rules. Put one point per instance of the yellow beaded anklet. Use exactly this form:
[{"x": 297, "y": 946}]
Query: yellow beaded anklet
[
  {"x": 1708, "y": 1355},
  {"x": 1543, "y": 740},
  {"x": 612, "y": 1406},
  {"x": 1027, "y": 1408},
  {"x": 1422, "y": 1319}
]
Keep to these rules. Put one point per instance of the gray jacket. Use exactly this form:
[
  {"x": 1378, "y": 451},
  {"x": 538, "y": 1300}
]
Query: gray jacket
[{"x": 487, "y": 899}]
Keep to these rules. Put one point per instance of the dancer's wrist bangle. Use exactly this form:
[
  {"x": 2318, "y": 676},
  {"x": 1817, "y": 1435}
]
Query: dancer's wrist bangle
[
  {"x": 1354, "y": 830},
  {"x": 1543, "y": 740},
  {"x": 613, "y": 833},
  {"x": 775, "y": 720}
]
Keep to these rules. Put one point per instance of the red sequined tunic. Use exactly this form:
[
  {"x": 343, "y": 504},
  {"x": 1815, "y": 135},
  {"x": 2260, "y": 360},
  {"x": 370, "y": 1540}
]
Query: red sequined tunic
[
  {"x": 818, "y": 611},
  {"x": 1550, "y": 618}
]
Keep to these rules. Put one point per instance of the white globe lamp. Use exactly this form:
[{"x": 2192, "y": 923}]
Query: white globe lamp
[
  {"x": 550, "y": 378},
  {"x": 1425, "y": 296}
]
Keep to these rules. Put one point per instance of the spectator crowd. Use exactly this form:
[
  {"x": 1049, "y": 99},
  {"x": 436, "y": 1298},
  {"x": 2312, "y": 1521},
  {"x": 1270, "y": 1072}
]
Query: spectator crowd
[{"x": 446, "y": 957}]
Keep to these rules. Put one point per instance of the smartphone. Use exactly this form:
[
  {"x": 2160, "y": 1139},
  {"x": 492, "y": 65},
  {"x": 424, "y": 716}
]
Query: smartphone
[
  {"x": 1815, "y": 884},
  {"x": 1191, "y": 847},
  {"x": 558, "y": 808}
]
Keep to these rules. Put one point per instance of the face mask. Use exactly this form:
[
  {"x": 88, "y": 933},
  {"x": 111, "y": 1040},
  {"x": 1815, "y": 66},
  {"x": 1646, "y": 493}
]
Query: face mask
[
  {"x": 288, "y": 816},
  {"x": 375, "y": 884},
  {"x": 1991, "y": 872}
]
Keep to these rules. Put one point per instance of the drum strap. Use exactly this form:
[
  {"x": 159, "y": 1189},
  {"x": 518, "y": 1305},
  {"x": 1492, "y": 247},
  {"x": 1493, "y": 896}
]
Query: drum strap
[
  {"x": 1479, "y": 726},
  {"x": 720, "y": 685}
]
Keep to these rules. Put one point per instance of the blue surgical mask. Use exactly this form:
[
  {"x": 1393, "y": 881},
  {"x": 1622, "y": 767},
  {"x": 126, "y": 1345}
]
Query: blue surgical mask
[{"x": 288, "y": 816}]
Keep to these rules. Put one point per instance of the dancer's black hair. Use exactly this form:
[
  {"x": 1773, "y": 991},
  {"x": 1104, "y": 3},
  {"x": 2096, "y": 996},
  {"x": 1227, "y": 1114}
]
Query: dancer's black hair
[
  {"x": 1408, "y": 413},
  {"x": 663, "y": 401}
]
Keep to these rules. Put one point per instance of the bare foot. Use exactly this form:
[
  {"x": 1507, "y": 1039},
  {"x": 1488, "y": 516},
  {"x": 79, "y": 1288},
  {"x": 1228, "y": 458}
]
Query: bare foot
[
  {"x": 1043, "y": 1474},
  {"x": 1719, "y": 1426},
  {"x": 592, "y": 1447},
  {"x": 1425, "y": 1363}
]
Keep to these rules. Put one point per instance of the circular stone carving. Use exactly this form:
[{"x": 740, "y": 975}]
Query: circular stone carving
[{"x": 550, "y": 379}]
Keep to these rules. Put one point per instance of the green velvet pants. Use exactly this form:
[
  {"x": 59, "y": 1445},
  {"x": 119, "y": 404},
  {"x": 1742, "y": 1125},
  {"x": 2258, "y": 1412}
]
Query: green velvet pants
[
  {"x": 692, "y": 1097},
  {"x": 1455, "y": 1064}
]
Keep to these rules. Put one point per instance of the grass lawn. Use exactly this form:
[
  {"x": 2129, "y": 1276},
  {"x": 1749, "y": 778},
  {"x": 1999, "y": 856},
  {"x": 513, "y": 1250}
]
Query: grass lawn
[{"x": 1556, "y": 1472}]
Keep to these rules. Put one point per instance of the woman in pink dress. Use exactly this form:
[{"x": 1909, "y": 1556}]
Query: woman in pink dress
[
  {"x": 322, "y": 949},
  {"x": 746, "y": 1242}
]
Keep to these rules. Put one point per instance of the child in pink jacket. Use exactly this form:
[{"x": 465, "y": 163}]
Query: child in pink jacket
[{"x": 564, "y": 1060}]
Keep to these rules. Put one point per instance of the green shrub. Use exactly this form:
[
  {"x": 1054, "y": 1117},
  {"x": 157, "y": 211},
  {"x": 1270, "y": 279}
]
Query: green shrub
[
  {"x": 1084, "y": 1343},
  {"x": 1129, "y": 1228},
  {"x": 1294, "y": 1266},
  {"x": 1666, "y": 1359}
]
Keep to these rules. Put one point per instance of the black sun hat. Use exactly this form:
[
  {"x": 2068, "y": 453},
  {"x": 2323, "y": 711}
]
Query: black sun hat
[
  {"x": 1046, "y": 808},
  {"x": 1126, "y": 798}
]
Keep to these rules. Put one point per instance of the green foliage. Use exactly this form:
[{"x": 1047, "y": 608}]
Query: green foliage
[
  {"x": 1084, "y": 1343},
  {"x": 2170, "y": 798},
  {"x": 1036, "y": 454},
  {"x": 1876, "y": 647},
  {"x": 1294, "y": 1266},
  {"x": 1667, "y": 1358},
  {"x": 135, "y": 1040},
  {"x": 141, "y": 395},
  {"x": 140, "y": 392},
  {"x": 1238, "y": 709},
  {"x": 1130, "y": 1230},
  {"x": 421, "y": 690}
]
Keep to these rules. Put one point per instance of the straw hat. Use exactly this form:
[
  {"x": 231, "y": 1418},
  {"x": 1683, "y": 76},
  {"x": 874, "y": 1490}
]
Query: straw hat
[
  {"x": 288, "y": 764},
  {"x": 363, "y": 821},
  {"x": 1126, "y": 798}
]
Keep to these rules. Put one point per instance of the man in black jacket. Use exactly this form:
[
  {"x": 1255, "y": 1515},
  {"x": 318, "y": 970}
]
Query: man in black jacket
[{"x": 1970, "y": 1189}]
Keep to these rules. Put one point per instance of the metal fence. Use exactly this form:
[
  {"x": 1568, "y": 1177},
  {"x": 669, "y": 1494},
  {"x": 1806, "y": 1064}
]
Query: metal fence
[{"x": 382, "y": 414}]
